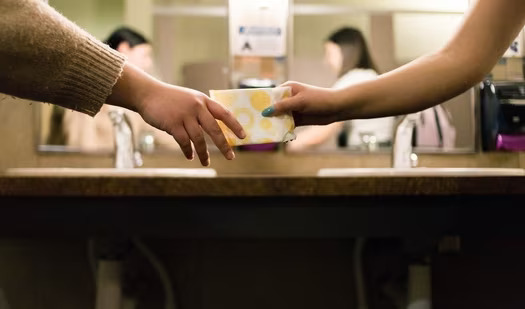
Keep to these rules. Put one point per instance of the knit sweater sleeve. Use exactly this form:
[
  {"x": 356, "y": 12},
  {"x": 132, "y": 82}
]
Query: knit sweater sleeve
[{"x": 45, "y": 57}]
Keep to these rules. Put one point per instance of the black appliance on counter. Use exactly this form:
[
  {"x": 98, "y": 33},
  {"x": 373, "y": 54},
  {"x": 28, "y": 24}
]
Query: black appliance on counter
[{"x": 502, "y": 114}]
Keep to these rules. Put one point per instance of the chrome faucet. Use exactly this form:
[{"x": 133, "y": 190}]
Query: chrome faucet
[
  {"x": 402, "y": 152},
  {"x": 125, "y": 154}
]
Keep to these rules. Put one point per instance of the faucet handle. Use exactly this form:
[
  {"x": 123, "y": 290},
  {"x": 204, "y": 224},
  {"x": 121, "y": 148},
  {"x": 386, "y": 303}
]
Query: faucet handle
[
  {"x": 414, "y": 160},
  {"x": 116, "y": 116},
  {"x": 137, "y": 158},
  {"x": 125, "y": 154},
  {"x": 402, "y": 154}
]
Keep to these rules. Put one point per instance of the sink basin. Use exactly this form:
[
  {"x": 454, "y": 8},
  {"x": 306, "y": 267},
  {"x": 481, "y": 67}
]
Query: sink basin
[
  {"x": 420, "y": 171},
  {"x": 113, "y": 172}
]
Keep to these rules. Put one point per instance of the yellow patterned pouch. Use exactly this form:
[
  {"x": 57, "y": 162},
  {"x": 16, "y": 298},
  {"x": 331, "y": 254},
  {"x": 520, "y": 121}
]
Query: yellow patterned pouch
[{"x": 247, "y": 105}]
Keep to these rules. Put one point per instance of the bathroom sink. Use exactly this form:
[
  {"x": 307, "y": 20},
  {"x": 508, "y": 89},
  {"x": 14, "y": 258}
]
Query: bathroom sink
[
  {"x": 112, "y": 172},
  {"x": 420, "y": 171}
]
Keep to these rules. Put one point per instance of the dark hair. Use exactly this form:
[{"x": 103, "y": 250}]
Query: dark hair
[
  {"x": 354, "y": 49},
  {"x": 124, "y": 34}
]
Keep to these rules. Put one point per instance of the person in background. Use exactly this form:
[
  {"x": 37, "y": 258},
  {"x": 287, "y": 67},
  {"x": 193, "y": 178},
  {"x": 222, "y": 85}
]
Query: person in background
[
  {"x": 346, "y": 52},
  {"x": 486, "y": 33},
  {"x": 96, "y": 134},
  {"x": 134, "y": 45},
  {"x": 46, "y": 57}
]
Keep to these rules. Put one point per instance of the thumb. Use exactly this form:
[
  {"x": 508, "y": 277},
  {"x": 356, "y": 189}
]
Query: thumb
[{"x": 286, "y": 105}]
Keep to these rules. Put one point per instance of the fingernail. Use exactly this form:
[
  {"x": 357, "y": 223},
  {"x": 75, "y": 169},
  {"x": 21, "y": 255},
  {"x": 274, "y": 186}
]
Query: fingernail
[
  {"x": 243, "y": 134},
  {"x": 267, "y": 112},
  {"x": 207, "y": 162},
  {"x": 230, "y": 155}
]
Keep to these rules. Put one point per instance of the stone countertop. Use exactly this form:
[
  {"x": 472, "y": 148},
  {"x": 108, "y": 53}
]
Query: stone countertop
[
  {"x": 260, "y": 186},
  {"x": 262, "y": 207}
]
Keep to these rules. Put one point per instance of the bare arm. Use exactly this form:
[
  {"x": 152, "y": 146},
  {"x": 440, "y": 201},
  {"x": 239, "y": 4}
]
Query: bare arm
[{"x": 486, "y": 33}]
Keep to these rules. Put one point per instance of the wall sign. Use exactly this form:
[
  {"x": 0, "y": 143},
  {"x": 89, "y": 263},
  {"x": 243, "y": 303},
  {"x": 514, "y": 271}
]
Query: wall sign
[{"x": 258, "y": 27}]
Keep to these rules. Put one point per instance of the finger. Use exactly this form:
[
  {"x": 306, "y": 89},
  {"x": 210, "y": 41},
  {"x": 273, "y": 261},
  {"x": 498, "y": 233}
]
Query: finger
[
  {"x": 285, "y": 106},
  {"x": 210, "y": 125},
  {"x": 197, "y": 137},
  {"x": 221, "y": 113},
  {"x": 182, "y": 138}
]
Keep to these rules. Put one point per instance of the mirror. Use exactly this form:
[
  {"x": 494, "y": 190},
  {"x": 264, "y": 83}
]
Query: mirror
[
  {"x": 189, "y": 46},
  {"x": 64, "y": 130}
]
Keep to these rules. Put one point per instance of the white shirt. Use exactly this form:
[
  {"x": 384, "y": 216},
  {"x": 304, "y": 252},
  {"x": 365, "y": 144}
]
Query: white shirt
[{"x": 381, "y": 128}]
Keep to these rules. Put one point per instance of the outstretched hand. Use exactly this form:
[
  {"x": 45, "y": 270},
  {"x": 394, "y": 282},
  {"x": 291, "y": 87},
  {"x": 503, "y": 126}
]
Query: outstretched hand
[
  {"x": 186, "y": 114},
  {"x": 309, "y": 105},
  {"x": 183, "y": 113}
]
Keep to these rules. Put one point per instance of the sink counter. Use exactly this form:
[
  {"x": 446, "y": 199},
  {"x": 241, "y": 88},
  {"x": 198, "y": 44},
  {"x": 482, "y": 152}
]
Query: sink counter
[
  {"x": 261, "y": 186},
  {"x": 262, "y": 206}
]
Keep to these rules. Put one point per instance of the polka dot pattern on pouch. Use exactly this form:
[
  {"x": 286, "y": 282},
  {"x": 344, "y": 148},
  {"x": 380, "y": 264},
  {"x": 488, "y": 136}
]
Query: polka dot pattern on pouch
[{"x": 247, "y": 105}]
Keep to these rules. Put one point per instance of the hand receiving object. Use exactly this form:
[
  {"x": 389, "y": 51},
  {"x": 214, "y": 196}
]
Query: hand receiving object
[{"x": 247, "y": 105}]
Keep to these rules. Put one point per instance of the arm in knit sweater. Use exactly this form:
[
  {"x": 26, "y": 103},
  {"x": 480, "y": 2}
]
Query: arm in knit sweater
[{"x": 46, "y": 57}]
